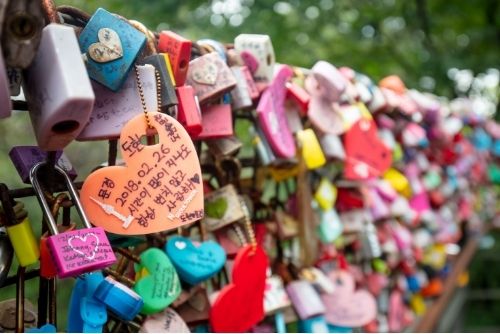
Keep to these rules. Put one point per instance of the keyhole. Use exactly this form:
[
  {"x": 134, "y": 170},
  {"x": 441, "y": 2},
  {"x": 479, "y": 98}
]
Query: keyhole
[
  {"x": 65, "y": 127},
  {"x": 23, "y": 26},
  {"x": 182, "y": 64},
  {"x": 269, "y": 59}
]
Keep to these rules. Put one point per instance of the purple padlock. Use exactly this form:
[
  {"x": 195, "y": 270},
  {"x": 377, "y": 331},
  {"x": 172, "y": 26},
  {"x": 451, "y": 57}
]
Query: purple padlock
[
  {"x": 25, "y": 157},
  {"x": 305, "y": 299}
]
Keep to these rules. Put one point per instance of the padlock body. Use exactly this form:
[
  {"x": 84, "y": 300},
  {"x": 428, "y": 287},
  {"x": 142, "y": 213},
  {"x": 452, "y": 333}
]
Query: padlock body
[
  {"x": 24, "y": 243},
  {"x": 80, "y": 251}
]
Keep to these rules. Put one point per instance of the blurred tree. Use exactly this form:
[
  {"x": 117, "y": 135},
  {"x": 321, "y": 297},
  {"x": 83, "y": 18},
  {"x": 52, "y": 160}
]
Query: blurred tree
[{"x": 419, "y": 40}]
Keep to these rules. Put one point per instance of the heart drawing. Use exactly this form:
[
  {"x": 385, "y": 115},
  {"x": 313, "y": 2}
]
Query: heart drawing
[
  {"x": 206, "y": 75},
  {"x": 217, "y": 208},
  {"x": 108, "y": 48},
  {"x": 347, "y": 307},
  {"x": 240, "y": 304},
  {"x": 158, "y": 189},
  {"x": 366, "y": 154},
  {"x": 86, "y": 246}
]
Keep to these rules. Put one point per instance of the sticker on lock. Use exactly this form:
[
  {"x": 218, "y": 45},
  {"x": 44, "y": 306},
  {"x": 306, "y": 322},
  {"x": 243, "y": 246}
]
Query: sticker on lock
[{"x": 159, "y": 189}]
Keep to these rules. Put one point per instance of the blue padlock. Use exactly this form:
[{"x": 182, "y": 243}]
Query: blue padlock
[
  {"x": 47, "y": 328},
  {"x": 86, "y": 314},
  {"x": 110, "y": 45},
  {"x": 313, "y": 325},
  {"x": 482, "y": 140},
  {"x": 338, "y": 329},
  {"x": 495, "y": 148},
  {"x": 413, "y": 283},
  {"x": 121, "y": 300}
]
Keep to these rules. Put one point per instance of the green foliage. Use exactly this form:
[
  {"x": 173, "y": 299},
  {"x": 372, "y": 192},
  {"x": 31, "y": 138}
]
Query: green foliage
[{"x": 420, "y": 40}]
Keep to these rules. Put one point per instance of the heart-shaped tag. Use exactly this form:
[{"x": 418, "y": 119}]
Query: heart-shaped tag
[
  {"x": 156, "y": 281},
  {"x": 366, "y": 155},
  {"x": 108, "y": 48},
  {"x": 271, "y": 114},
  {"x": 240, "y": 304},
  {"x": 216, "y": 208},
  {"x": 159, "y": 188},
  {"x": 206, "y": 75},
  {"x": 195, "y": 264},
  {"x": 86, "y": 246},
  {"x": 167, "y": 321},
  {"x": 346, "y": 307}
]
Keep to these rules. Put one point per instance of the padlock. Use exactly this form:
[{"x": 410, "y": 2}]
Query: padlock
[
  {"x": 330, "y": 82},
  {"x": 60, "y": 108},
  {"x": 332, "y": 146},
  {"x": 222, "y": 207},
  {"x": 167, "y": 321},
  {"x": 314, "y": 325},
  {"x": 299, "y": 96},
  {"x": 264, "y": 151},
  {"x": 120, "y": 299},
  {"x": 305, "y": 299},
  {"x": 22, "y": 24},
  {"x": 14, "y": 78},
  {"x": 324, "y": 116},
  {"x": 25, "y": 157},
  {"x": 77, "y": 251},
  {"x": 217, "y": 122},
  {"x": 227, "y": 146},
  {"x": 240, "y": 95},
  {"x": 6, "y": 254},
  {"x": 310, "y": 148},
  {"x": 167, "y": 89},
  {"x": 271, "y": 115},
  {"x": 178, "y": 49},
  {"x": 370, "y": 245},
  {"x": 330, "y": 227},
  {"x": 210, "y": 77},
  {"x": 110, "y": 45},
  {"x": 86, "y": 314},
  {"x": 48, "y": 268},
  {"x": 261, "y": 49},
  {"x": 19, "y": 230},
  {"x": 112, "y": 110},
  {"x": 189, "y": 113},
  {"x": 6, "y": 79}
]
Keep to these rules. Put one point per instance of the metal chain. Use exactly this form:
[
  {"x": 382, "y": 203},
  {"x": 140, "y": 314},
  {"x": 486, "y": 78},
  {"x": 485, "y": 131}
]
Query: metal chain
[{"x": 141, "y": 94}]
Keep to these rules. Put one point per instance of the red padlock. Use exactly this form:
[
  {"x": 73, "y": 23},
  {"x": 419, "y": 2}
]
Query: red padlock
[
  {"x": 189, "y": 114},
  {"x": 217, "y": 122},
  {"x": 179, "y": 50}
]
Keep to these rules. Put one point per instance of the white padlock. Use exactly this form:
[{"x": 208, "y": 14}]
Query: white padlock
[
  {"x": 261, "y": 48},
  {"x": 58, "y": 89}
]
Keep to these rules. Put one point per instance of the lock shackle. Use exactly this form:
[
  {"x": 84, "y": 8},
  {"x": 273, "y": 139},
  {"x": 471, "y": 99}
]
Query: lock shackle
[{"x": 47, "y": 210}]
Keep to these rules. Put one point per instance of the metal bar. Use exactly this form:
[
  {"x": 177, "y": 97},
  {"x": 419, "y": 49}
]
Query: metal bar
[
  {"x": 429, "y": 321},
  {"x": 13, "y": 279}
]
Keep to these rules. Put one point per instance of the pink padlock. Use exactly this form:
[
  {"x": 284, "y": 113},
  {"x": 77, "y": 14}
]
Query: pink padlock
[
  {"x": 331, "y": 83},
  {"x": 78, "y": 251},
  {"x": 271, "y": 115}
]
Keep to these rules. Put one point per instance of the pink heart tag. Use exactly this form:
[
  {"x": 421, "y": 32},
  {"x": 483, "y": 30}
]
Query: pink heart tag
[{"x": 346, "y": 307}]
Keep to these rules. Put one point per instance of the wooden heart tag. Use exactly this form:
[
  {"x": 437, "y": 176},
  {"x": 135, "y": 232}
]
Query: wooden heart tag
[{"x": 159, "y": 189}]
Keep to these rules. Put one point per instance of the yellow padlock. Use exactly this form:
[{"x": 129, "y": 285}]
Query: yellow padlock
[
  {"x": 417, "y": 304},
  {"x": 326, "y": 194},
  {"x": 311, "y": 150},
  {"x": 398, "y": 181},
  {"x": 24, "y": 242},
  {"x": 169, "y": 67}
]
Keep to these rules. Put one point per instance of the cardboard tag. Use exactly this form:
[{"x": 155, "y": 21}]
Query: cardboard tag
[
  {"x": 159, "y": 189},
  {"x": 366, "y": 155}
]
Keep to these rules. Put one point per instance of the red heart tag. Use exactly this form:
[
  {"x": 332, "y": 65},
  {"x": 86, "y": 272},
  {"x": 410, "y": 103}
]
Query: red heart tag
[
  {"x": 159, "y": 189},
  {"x": 366, "y": 155},
  {"x": 240, "y": 304}
]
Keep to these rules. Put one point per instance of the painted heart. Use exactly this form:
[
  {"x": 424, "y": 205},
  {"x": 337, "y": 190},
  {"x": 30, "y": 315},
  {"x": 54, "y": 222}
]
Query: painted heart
[
  {"x": 86, "y": 246},
  {"x": 108, "y": 48},
  {"x": 195, "y": 179},
  {"x": 195, "y": 264},
  {"x": 346, "y": 307},
  {"x": 366, "y": 155},
  {"x": 217, "y": 208},
  {"x": 154, "y": 192},
  {"x": 156, "y": 281},
  {"x": 239, "y": 306},
  {"x": 206, "y": 75},
  {"x": 272, "y": 117}
]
